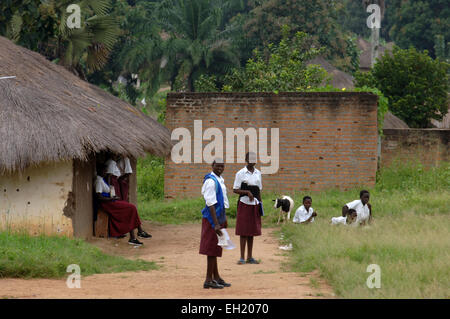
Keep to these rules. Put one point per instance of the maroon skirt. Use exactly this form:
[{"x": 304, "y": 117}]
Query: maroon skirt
[
  {"x": 248, "y": 220},
  {"x": 123, "y": 217},
  {"x": 209, "y": 241},
  {"x": 124, "y": 188},
  {"x": 116, "y": 184}
]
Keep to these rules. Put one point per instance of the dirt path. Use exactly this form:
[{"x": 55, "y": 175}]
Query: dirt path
[{"x": 182, "y": 271}]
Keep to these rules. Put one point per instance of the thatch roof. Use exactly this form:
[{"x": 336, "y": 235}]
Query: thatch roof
[
  {"x": 391, "y": 121},
  {"x": 366, "y": 54},
  {"x": 339, "y": 79},
  {"x": 49, "y": 114}
]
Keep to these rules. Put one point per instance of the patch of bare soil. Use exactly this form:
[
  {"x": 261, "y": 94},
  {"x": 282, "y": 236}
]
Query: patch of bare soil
[{"x": 182, "y": 271}]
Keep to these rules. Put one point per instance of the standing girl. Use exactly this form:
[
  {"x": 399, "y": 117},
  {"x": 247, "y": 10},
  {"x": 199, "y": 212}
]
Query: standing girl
[
  {"x": 248, "y": 185},
  {"x": 214, "y": 219}
]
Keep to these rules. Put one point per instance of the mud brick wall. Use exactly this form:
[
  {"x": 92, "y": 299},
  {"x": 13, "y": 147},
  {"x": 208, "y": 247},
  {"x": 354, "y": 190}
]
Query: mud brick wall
[
  {"x": 326, "y": 139},
  {"x": 427, "y": 146}
]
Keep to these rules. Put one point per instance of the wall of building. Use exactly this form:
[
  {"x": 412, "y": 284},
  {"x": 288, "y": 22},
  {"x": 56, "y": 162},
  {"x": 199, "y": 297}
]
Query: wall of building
[
  {"x": 427, "y": 146},
  {"x": 34, "y": 200},
  {"x": 325, "y": 140},
  {"x": 80, "y": 209}
]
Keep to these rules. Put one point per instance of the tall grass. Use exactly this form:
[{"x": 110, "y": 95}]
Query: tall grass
[
  {"x": 409, "y": 238},
  {"x": 25, "y": 256},
  {"x": 413, "y": 253}
]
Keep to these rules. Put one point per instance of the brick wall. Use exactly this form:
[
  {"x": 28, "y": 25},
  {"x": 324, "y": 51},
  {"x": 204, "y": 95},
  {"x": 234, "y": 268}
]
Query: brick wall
[
  {"x": 326, "y": 140},
  {"x": 428, "y": 146}
]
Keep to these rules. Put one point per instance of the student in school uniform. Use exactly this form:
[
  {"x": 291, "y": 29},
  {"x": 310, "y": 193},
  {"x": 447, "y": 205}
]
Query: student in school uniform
[
  {"x": 113, "y": 174},
  {"x": 214, "y": 219},
  {"x": 123, "y": 216},
  {"x": 305, "y": 213},
  {"x": 124, "y": 180},
  {"x": 362, "y": 207},
  {"x": 248, "y": 185}
]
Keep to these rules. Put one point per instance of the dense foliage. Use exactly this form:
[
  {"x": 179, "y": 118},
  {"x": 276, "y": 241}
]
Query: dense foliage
[
  {"x": 285, "y": 69},
  {"x": 415, "y": 85},
  {"x": 133, "y": 48}
]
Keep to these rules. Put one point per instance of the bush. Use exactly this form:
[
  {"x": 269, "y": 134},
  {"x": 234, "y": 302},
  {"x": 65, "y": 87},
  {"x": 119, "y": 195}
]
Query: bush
[{"x": 150, "y": 178}]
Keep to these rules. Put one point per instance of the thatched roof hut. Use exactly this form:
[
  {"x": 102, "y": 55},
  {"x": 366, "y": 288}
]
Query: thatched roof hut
[
  {"x": 339, "y": 79},
  {"x": 365, "y": 58},
  {"x": 49, "y": 114},
  {"x": 52, "y": 126}
]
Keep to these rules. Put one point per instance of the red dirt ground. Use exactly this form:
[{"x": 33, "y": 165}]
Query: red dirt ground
[{"x": 182, "y": 272}]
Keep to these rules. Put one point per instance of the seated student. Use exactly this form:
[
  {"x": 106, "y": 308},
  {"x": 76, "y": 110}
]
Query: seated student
[
  {"x": 124, "y": 180},
  {"x": 114, "y": 173},
  {"x": 347, "y": 220},
  {"x": 362, "y": 208},
  {"x": 123, "y": 216},
  {"x": 305, "y": 213}
]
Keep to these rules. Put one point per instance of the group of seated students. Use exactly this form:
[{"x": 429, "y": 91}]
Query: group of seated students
[
  {"x": 357, "y": 212},
  {"x": 112, "y": 196}
]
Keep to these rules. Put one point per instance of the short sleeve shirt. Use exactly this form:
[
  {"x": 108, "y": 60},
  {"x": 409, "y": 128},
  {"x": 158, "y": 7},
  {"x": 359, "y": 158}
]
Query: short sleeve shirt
[
  {"x": 209, "y": 191},
  {"x": 125, "y": 166},
  {"x": 302, "y": 215},
  {"x": 253, "y": 179},
  {"x": 362, "y": 211},
  {"x": 100, "y": 186},
  {"x": 111, "y": 168}
]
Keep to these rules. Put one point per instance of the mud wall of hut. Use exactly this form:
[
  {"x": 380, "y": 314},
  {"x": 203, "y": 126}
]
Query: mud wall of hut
[{"x": 34, "y": 199}]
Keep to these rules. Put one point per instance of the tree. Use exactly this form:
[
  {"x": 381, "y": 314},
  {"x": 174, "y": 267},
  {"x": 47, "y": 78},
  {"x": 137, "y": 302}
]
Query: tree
[
  {"x": 42, "y": 26},
  {"x": 417, "y": 23},
  {"x": 415, "y": 85},
  {"x": 196, "y": 44},
  {"x": 316, "y": 18},
  {"x": 284, "y": 71}
]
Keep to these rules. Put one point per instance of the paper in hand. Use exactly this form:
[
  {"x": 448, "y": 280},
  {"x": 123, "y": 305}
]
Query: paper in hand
[{"x": 224, "y": 241}]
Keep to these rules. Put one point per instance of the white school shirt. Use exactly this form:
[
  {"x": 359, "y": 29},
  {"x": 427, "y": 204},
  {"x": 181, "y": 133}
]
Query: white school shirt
[
  {"x": 111, "y": 168},
  {"x": 339, "y": 220},
  {"x": 209, "y": 191},
  {"x": 302, "y": 215},
  {"x": 124, "y": 165},
  {"x": 253, "y": 179},
  {"x": 100, "y": 186},
  {"x": 362, "y": 211}
]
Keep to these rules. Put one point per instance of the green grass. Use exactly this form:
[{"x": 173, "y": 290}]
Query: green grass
[
  {"x": 409, "y": 238},
  {"x": 413, "y": 252},
  {"x": 24, "y": 256}
]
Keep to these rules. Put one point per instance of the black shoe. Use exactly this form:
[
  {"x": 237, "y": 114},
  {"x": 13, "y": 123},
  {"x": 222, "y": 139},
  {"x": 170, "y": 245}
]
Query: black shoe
[
  {"x": 212, "y": 284},
  {"x": 135, "y": 242},
  {"x": 144, "y": 234},
  {"x": 223, "y": 283}
]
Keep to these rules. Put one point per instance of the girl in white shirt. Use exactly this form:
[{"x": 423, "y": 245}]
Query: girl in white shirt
[
  {"x": 249, "y": 210},
  {"x": 362, "y": 207},
  {"x": 214, "y": 219}
]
